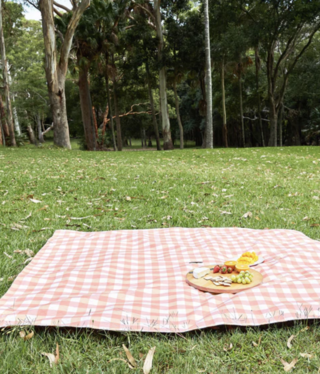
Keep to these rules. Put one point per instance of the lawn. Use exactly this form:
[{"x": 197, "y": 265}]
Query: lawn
[{"x": 189, "y": 188}]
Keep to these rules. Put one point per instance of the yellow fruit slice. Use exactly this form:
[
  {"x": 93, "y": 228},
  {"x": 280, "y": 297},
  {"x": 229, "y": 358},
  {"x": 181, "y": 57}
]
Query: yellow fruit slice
[{"x": 242, "y": 267}]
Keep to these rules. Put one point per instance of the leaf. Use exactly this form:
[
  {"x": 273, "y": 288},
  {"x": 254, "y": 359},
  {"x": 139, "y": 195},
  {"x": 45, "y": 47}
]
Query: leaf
[
  {"x": 28, "y": 216},
  {"x": 35, "y": 201},
  {"x": 26, "y": 337},
  {"x": 255, "y": 344},
  {"x": 315, "y": 225},
  {"x": 247, "y": 215},
  {"x": 128, "y": 198},
  {"x": 28, "y": 252},
  {"x": 227, "y": 348},
  {"x": 224, "y": 212},
  {"x": 6, "y": 254},
  {"x": 11, "y": 278},
  {"x": 306, "y": 218},
  {"x": 129, "y": 356},
  {"x": 123, "y": 360},
  {"x": 53, "y": 359},
  {"x": 287, "y": 366},
  {"x": 307, "y": 355},
  {"x": 289, "y": 341},
  {"x": 163, "y": 197},
  {"x": 80, "y": 217},
  {"x": 148, "y": 361}
]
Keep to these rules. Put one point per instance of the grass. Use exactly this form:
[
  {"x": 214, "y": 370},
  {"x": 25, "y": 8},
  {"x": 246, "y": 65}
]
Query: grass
[{"x": 281, "y": 187}]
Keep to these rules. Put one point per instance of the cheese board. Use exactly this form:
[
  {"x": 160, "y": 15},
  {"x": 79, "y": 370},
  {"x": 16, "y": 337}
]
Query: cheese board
[{"x": 207, "y": 285}]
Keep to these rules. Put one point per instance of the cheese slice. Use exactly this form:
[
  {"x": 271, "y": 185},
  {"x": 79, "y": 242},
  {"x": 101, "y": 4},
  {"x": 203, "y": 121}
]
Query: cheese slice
[{"x": 200, "y": 272}]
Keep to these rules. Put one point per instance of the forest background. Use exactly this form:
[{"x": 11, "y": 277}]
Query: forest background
[{"x": 127, "y": 70}]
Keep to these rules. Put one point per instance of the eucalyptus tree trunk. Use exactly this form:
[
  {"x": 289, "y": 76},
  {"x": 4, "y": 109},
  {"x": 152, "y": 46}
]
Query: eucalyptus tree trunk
[
  {"x": 178, "y": 114},
  {"x": 280, "y": 123},
  {"x": 110, "y": 111},
  {"x": 153, "y": 112},
  {"x": 40, "y": 133},
  {"x": 56, "y": 70},
  {"x": 224, "y": 111},
  {"x": 241, "y": 111},
  {"x": 116, "y": 110},
  {"x": 4, "y": 124},
  {"x": 209, "y": 124},
  {"x": 6, "y": 83},
  {"x": 166, "y": 131},
  {"x": 257, "y": 63},
  {"x": 86, "y": 109}
]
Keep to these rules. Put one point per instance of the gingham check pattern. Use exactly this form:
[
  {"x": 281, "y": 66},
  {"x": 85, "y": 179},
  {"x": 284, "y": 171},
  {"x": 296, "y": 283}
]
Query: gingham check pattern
[{"x": 135, "y": 280}]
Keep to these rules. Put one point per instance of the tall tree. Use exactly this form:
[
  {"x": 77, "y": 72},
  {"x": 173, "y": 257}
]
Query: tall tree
[
  {"x": 6, "y": 82},
  {"x": 209, "y": 122},
  {"x": 166, "y": 131},
  {"x": 57, "y": 64}
]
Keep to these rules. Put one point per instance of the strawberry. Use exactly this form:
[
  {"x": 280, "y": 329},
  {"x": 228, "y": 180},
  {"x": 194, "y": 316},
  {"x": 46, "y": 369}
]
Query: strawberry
[
  {"x": 223, "y": 270},
  {"x": 229, "y": 270},
  {"x": 216, "y": 269}
]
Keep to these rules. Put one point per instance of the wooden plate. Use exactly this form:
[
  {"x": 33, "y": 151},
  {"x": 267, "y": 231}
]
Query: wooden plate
[{"x": 207, "y": 285}]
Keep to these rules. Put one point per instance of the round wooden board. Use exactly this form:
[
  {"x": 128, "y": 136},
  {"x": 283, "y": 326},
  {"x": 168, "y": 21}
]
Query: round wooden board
[{"x": 207, "y": 285}]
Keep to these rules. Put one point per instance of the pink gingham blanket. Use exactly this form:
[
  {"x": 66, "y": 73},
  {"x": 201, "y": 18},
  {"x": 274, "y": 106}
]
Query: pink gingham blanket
[{"x": 135, "y": 280}]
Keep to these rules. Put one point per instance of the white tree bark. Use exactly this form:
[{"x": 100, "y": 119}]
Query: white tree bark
[
  {"x": 56, "y": 70},
  {"x": 6, "y": 82},
  {"x": 209, "y": 124},
  {"x": 166, "y": 131}
]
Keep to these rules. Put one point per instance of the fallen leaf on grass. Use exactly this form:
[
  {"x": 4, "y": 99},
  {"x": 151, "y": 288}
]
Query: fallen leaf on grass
[
  {"x": 306, "y": 218},
  {"x": 227, "y": 348},
  {"x": 224, "y": 212},
  {"x": 28, "y": 260},
  {"x": 148, "y": 361},
  {"x": 28, "y": 252},
  {"x": 315, "y": 225},
  {"x": 257, "y": 344},
  {"x": 287, "y": 366},
  {"x": 307, "y": 355},
  {"x": 246, "y": 215},
  {"x": 289, "y": 341},
  {"x": 123, "y": 360},
  {"x": 35, "y": 201},
  {"x": 53, "y": 359},
  {"x": 28, "y": 216},
  {"x": 25, "y": 336},
  {"x": 80, "y": 217},
  {"x": 141, "y": 355},
  {"x": 163, "y": 197},
  {"x": 11, "y": 278},
  {"x": 129, "y": 356},
  {"x": 6, "y": 254},
  {"x": 128, "y": 198}
]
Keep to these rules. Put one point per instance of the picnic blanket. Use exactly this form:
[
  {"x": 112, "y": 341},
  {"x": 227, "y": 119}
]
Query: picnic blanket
[{"x": 134, "y": 280}]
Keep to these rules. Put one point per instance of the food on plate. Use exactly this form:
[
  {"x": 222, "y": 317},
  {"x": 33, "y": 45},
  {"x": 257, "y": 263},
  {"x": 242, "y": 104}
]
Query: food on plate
[
  {"x": 230, "y": 264},
  {"x": 216, "y": 269},
  {"x": 244, "y": 277},
  {"x": 222, "y": 281},
  {"x": 200, "y": 272},
  {"x": 242, "y": 267},
  {"x": 223, "y": 270},
  {"x": 248, "y": 258}
]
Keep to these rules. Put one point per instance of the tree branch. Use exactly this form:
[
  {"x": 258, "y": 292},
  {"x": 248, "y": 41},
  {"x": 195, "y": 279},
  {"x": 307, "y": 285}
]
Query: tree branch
[
  {"x": 66, "y": 46},
  {"x": 48, "y": 129},
  {"x": 254, "y": 119},
  {"x": 57, "y": 12},
  {"x": 62, "y": 6}
]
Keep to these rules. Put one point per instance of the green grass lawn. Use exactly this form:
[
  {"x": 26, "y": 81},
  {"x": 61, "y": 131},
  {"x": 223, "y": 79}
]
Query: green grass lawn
[{"x": 281, "y": 187}]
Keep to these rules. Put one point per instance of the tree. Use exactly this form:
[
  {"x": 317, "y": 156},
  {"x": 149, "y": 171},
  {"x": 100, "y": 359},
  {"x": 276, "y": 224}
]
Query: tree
[
  {"x": 209, "y": 124},
  {"x": 6, "y": 82},
  {"x": 166, "y": 132},
  {"x": 57, "y": 67}
]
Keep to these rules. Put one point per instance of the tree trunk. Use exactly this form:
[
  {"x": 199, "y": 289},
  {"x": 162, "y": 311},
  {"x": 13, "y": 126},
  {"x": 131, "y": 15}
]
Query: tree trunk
[
  {"x": 6, "y": 83},
  {"x": 130, "y": 143},
  {"x": 224, "y": 111},
  {"x": 86, "y": 109},
  {"x": 31, "y": 135},
  {"x": 40, "y": 134},
  {"x": 257, "y": 64},
  {"x": 241, "y": 111},
  {"x": 166, "y": 131},
  {"x": 209, "y": 124},
  {"x": 2, "y": 140},
  {"x": 154, "y": 118},
  {"x": 178, "y": 114},
  {"x": 116, "y": 109},
  {"x": 110, "y": 111},
  {"x": 273, "y": 117},
  {"x": 3, "y": 120},
  {"x": 280, "y": 123},
  {"x": 56, "y": 71}
]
